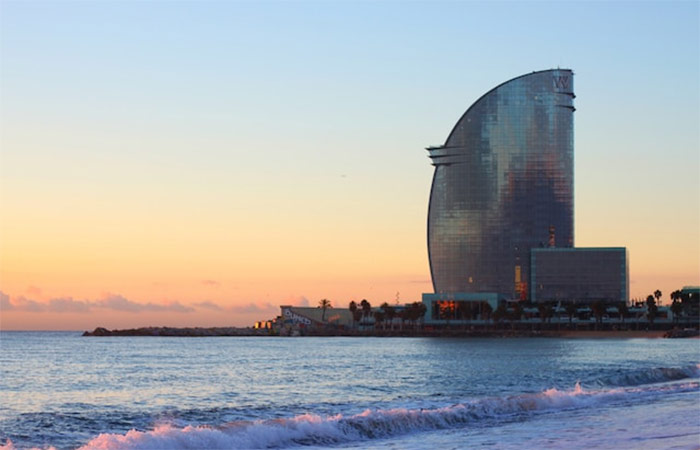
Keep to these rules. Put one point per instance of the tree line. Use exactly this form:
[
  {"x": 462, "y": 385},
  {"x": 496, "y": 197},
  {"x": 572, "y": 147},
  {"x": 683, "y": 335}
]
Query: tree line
[{"x": 386, "y": 315}]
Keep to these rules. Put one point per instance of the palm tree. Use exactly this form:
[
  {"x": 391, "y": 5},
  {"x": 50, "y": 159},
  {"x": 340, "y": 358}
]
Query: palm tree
[
  {"x": 403, "y": 316},
  {"x": 676, "y": 309},
  {"x": 486, "y": 310},
  {"x": 366, "y": 308},
  {"x": 499, "y": 314},
  {"x": 324, "y": 304},
  {"x": 657, "y": 295},
  {"x": 422, "y": 309},
  {"x": 545, "y": 311},
  {"x": 598, "y": 308},
  {"x": 417, "y": 311},
  {"x": 571, "y": 310},
  {"x": 676, "y": 295},
  {"x": 357, "y": 316},
  {"x": 389, "y": 313},
  {"x": 353, "y": 310},
  {"x": 378, "y": 318},
  {"x": 515, "y": 314},
  {"x": 623, "y": 310},
  {"x": 651, "y": 309}
]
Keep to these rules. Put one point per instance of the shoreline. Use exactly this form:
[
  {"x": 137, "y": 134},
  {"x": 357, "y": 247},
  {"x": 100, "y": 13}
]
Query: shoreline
[{"x": 449, "y": 333}]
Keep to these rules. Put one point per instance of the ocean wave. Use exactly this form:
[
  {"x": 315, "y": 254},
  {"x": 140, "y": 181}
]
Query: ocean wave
[
  {"x": 309, "y": 429},
  {"x": 316, "y": 430},
  {"x": 650, "y": 376}
]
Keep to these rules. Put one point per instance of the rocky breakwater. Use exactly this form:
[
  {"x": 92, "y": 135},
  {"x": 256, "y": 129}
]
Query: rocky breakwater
[
  {"x": 684, "y": 333},
  {"x": 179, "y": 332}
]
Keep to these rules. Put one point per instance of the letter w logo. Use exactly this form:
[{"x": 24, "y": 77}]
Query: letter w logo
[{"x": 561, "y": 82}]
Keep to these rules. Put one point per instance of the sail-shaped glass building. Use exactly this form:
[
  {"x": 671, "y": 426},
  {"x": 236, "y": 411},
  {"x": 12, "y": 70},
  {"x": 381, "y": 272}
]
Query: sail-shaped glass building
[{"x": 503, "y": 184}]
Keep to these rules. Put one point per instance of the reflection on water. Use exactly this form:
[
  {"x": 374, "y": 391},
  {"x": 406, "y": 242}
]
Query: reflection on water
[{"x": 63, "y": 389}]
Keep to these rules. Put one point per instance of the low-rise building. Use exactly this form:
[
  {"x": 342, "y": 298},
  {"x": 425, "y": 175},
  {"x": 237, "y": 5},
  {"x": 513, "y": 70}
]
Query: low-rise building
[
  {"x": 582, "y": 275},
  {"x": 306, "y": 316}
]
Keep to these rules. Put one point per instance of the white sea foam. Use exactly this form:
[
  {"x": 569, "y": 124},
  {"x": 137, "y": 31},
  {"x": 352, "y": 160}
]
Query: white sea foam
[{"x": 311, "y": 429}]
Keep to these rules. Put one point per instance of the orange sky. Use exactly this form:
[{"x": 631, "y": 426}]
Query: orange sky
[{"x": 164, "y": 171}]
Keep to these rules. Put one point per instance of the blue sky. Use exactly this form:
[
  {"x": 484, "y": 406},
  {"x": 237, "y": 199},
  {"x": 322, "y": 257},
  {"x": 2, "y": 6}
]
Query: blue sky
[{"x": 260, "y": 137}]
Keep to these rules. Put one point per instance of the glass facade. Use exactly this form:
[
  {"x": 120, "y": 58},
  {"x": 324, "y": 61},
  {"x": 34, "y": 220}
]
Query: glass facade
[
  {"x": 503, "y": 181},
  {"x": 441, "y": 308},
  {"x": 580, "y": 274}
]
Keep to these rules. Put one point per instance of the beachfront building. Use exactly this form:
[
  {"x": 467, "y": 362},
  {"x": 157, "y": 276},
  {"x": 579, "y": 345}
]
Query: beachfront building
[
  {"x": 501, "y": 211},
  {"x": 503, "y": 179},
  {"x": 690, "y": 299},
  {"x": 315, "y": 317},
  {"x": 460, "y": 306}
]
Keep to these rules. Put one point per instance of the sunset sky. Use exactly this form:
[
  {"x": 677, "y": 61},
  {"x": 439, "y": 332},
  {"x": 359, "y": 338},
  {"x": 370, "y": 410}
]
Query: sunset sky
[{"x": 201, "y": 163}]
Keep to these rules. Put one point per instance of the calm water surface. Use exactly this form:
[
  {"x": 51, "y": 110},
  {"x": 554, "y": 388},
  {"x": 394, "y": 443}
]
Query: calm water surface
[{"x": 63, "y": 390}]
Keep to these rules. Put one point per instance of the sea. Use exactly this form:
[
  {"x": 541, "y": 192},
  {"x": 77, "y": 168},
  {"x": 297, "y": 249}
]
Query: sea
[{"x": 64, "y": 391}]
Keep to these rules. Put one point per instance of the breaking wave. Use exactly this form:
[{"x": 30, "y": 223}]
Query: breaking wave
[
  {"x": 309, "y": 429},
  {"x": 649, "y": 376}
]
